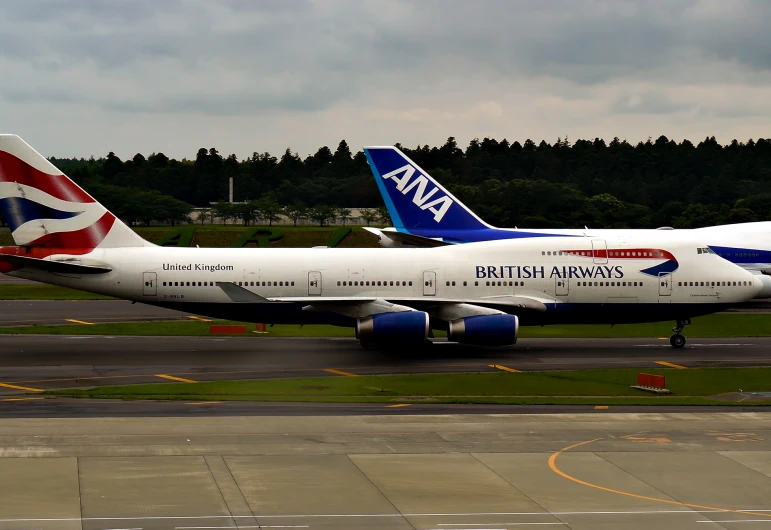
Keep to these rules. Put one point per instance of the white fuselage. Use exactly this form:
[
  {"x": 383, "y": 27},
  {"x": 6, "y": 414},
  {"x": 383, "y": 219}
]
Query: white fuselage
[{"x": 576, "y": 279}]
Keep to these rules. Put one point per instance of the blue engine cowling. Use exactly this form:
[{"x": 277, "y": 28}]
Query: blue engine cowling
[
  {"x": 406, "y": 326},
  {"x": 485, "y": 330}
]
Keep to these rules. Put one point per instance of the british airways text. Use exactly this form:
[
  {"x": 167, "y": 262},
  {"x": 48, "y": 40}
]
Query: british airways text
[{"x": 539, "y": 271}]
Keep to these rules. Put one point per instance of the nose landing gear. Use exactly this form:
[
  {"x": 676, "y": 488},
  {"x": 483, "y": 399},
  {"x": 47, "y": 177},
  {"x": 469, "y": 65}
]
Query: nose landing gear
[{"x": 678, "y": 340}]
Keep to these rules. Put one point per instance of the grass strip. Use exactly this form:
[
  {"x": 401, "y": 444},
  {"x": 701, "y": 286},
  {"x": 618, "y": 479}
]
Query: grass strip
[{"x": 602, "y": 386}]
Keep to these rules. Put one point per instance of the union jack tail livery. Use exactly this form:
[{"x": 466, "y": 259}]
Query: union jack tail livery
[{"x": 45, "y": 209}]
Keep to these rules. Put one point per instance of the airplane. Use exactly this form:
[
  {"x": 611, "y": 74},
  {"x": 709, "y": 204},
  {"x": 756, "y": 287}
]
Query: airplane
[
  {"x": 479, "y": 293},
  {"x": 424, "y": 213}
]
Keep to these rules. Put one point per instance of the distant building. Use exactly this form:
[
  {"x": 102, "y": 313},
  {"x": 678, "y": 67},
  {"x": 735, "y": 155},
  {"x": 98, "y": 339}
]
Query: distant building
[{"x": 354, "y": 220}]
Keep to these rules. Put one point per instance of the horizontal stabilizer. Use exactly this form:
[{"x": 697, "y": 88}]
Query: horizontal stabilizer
[
  {"x": 240, "y": 295},
  {"x": 408, "y": 239},
  {"x": 61, "y": 267}
]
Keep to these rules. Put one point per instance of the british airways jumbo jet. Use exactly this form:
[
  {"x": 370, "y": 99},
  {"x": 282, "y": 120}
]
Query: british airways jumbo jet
[
  {"x": 424, "y": 213},
  {"x": 479, "y": 293}
]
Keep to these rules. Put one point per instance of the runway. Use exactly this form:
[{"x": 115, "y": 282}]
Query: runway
[
  {"x": 40, "y": 312},
  {"x": 43, "y": 362},
  {"x": 459, "y": 472}
]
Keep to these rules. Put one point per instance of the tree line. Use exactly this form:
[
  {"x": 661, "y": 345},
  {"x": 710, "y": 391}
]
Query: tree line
[{"x": 562, "y": 184}]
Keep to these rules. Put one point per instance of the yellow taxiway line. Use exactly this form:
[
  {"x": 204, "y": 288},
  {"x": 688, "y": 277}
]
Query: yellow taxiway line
[{"x": 174, "y": 378}]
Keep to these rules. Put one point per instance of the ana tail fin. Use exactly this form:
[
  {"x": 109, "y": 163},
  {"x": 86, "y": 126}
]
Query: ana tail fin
[
  {"x": 413, "y": 198},
  {"x": 44, "y": 208}
]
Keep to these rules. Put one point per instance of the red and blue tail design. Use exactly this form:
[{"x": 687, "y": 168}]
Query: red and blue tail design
[{"x": 45, "y": 209}]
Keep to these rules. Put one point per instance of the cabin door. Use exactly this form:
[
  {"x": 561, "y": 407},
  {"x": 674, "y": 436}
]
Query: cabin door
[
  {"x": 665, "y": 284},
  {"x": 314, "y": 283},
  {"x": 561, "y": 286},
  {"x": 429, "y": 283},
  {"x": 150, "y": 287},
  {"x": 599, "y": 251}
]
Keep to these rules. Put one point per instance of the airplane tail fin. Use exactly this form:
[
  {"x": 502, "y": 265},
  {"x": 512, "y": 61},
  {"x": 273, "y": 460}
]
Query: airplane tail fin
[
  {"x": 414, "y": 199},
  {"x": 44, "y": 208}
]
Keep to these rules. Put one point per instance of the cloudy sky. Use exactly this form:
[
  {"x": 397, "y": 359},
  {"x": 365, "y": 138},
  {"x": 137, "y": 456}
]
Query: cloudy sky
[{"x": 83, "y": 77}]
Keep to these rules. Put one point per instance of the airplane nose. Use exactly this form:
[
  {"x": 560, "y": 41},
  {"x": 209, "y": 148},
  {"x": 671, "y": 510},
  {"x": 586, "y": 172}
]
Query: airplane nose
[{"x": 762, "y": 285}]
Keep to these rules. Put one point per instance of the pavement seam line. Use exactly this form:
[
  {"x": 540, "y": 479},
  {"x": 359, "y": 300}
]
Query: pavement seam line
[
  {"x": 238, "y": 486},
  {"x": 389, "y": 501},
  {"x": 175, "y": 378},
  {"x": 17, "y": 387},
  {"x": 553, "y": 466},
  {"x": 340, "y": 372},
  {"x": 525, "y": 495},
  {"x": 219, "y": 488},
  {"x": 671, "y": 365}
]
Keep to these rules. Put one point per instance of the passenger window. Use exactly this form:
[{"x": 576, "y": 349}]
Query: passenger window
[
  {"x": 269, "y": 284},
  {"x": 392, "y": 283},
  {"x": 164, "y": 284},
  {"x": 453, "y": 284},
  {"x": 476, "y": 284},
  {"x": 338, "y": 283},
  {"x": 292, "y": 284},
  {"x": 410, "y": 284},
  {"x": 487, "y": 284},
  {"x": 464, "y": 284},
  {"x": 448, "y": 284}
]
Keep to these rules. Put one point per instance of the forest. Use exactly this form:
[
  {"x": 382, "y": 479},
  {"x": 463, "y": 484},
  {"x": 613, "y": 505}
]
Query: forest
[{"x": 535, "y": 185}]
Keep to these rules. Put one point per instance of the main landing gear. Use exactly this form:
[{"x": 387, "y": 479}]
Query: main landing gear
[{"x": 677, "y": 340}]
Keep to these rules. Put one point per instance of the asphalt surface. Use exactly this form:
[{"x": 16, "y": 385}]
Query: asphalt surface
[
  {"x": 31, "y": 363},
  {"x": 39, "y": 312},
  {"x": 29, "y": 312},
  {"x": 48, "y": 362}
]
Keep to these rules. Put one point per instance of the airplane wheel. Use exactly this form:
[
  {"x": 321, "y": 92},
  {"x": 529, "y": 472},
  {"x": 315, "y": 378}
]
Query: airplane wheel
[{"x": 677, "y": 341}]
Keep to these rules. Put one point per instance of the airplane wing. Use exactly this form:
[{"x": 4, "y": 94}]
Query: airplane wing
[{"x": 61, "y": 267}]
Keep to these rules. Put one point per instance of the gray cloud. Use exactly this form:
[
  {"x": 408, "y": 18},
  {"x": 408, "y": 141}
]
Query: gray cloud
[{"x": 300, "y": 60}]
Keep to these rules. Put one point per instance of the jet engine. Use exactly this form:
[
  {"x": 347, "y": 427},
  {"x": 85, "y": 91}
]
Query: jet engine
[
  {"x": 485, "y": 330},
  {"x": 399, "y": 327}
]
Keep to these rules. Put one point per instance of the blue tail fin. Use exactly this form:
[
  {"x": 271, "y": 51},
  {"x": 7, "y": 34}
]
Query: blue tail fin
[{"x": 414, "y": 199}]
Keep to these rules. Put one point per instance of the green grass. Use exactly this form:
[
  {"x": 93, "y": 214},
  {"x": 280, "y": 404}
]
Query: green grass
[
  {"x": 46, "y": 292},
  {"x": 608, "y": 386},
  {"x": 715, "y": 326},
  {"x": 303, "y": 238}
]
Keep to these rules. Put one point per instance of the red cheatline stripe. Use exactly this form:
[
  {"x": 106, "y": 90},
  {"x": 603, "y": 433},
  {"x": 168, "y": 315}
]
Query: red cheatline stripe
[{"x": 625, "y": 253}]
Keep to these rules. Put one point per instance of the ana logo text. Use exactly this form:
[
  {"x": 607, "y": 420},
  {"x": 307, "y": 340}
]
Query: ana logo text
[{"x": 438, "y": 206}]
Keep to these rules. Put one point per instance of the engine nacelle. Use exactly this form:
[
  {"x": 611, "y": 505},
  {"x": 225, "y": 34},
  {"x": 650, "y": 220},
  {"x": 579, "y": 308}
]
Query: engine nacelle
[
  {"x": 400, "y": 327},
  {"x": 485, "y": 330},
  {"x": 765, "y": 282}
]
